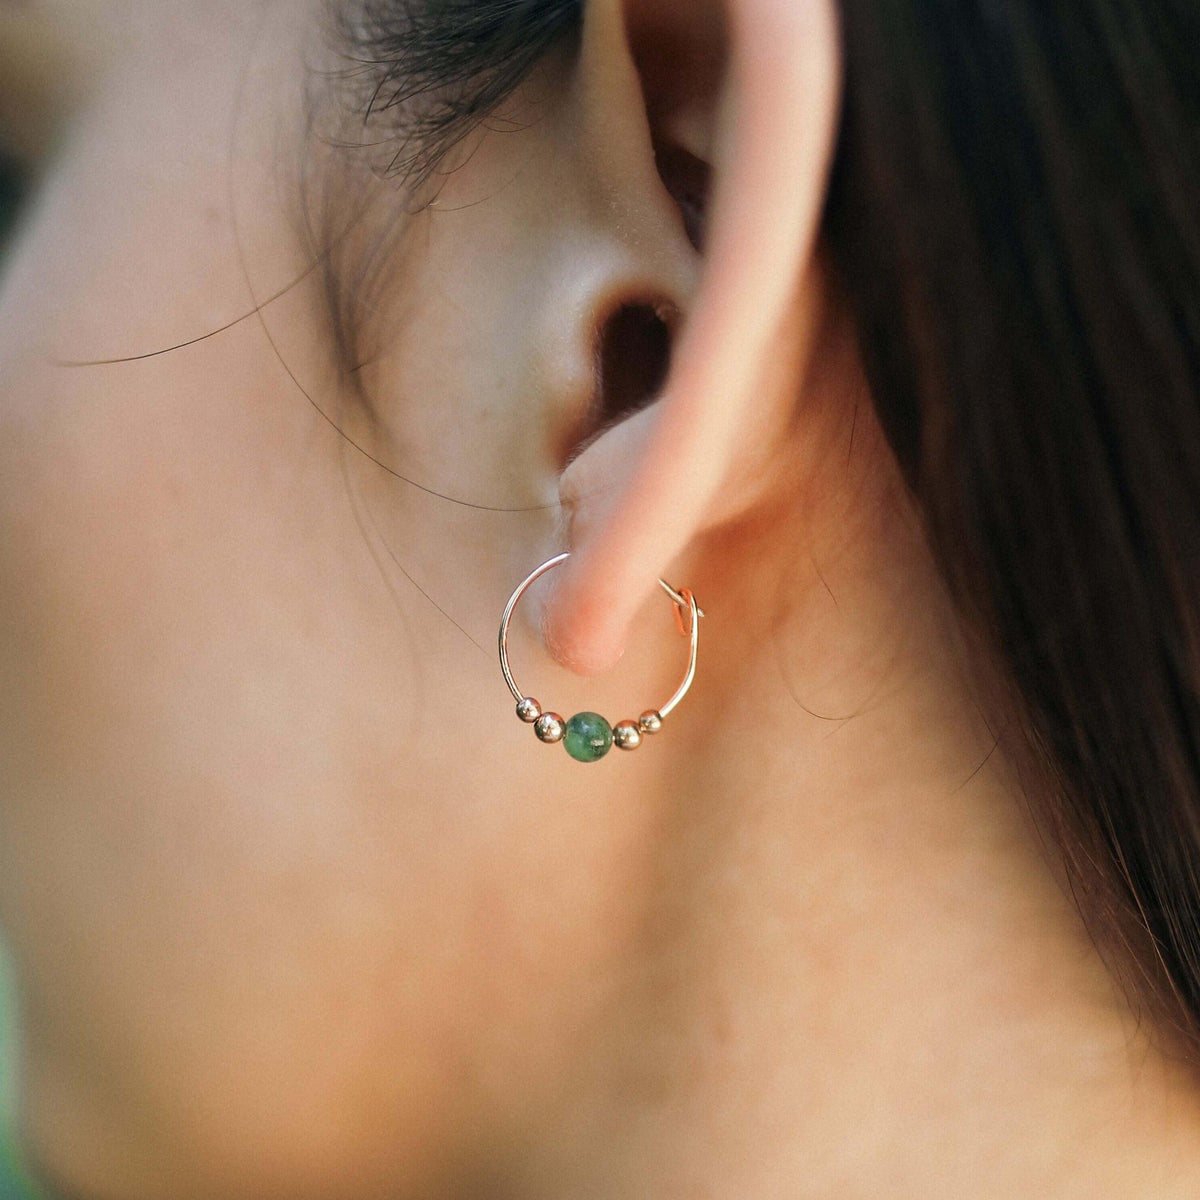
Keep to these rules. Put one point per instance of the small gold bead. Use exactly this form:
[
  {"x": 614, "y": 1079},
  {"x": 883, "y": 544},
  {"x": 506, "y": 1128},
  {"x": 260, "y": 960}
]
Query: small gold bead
[
  {"x": 529, "y": 710},
  {"x": 550, "y": 728},
  {"x": 627, "y": 735},
  {"x": 650, "y": 722}
]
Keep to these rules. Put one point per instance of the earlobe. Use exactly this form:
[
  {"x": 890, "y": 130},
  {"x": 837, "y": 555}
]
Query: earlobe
[{"x": 641, "y": 493}]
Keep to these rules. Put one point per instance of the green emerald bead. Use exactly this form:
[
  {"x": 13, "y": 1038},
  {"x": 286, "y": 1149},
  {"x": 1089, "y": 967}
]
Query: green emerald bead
[{"x": 589, "y": 737}]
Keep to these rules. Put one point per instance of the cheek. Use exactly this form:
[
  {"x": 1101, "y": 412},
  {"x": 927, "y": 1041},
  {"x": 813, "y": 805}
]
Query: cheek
[
  {"x": 272, "y": 842},
  {"x": 279, "y": 864}
]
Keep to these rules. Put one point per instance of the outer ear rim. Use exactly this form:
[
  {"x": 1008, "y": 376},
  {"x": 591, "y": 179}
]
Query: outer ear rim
[{"x": 639, "y": 495}]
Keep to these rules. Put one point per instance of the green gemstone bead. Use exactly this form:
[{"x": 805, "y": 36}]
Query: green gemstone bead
[{"x": 589, "y": 737}]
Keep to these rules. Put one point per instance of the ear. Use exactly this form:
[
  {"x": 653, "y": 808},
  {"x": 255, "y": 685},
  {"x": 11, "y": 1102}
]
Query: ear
[{"x": 640, "y": 493}]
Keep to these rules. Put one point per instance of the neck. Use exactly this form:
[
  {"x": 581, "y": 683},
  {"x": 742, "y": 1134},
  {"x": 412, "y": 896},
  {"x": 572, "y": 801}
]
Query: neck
[{"x": 860, "y": 976}]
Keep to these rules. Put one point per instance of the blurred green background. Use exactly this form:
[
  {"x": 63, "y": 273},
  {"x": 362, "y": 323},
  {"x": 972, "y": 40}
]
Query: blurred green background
[{"x": 12, "y": 189}]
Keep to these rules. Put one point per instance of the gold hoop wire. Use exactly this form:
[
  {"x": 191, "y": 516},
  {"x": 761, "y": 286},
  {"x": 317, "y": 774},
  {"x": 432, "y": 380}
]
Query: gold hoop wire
[{"x": 588, "y": 737}]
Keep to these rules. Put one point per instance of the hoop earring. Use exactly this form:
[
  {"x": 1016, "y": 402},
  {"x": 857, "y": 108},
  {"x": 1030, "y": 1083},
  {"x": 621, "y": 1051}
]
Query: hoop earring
[{"x": 588, "y": 737}]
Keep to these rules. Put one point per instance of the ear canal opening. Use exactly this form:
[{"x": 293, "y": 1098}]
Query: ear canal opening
[{"x": 633, "y": 357}]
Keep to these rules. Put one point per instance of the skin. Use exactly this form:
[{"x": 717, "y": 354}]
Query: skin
[{"x": 298, "y": 908}]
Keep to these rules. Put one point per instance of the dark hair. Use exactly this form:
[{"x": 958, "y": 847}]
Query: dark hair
[
  {"x": 436, "y": 69},
  {"x": 1013, "y": 212},
  {"x": 1013, "y": 217}
]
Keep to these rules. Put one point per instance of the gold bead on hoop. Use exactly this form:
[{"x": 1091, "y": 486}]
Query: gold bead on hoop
[{"x": 588, "y": 737}]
